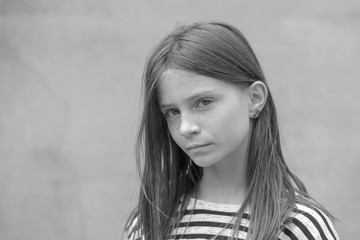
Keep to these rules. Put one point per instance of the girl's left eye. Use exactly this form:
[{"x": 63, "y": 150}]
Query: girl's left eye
[{"x": 204, "y": 102}]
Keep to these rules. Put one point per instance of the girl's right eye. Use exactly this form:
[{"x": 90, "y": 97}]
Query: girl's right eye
[{"x": 171, "y": 113}]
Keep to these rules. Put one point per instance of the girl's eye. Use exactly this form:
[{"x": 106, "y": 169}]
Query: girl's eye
[
  {"x": 204, "y": 102},
  {"x": 172, "y": 113}
]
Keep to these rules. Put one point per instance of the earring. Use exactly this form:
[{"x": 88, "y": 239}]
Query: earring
[{"x": 256, "y": 113}]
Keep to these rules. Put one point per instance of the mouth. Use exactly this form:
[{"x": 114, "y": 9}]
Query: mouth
[{"x": 196, "y": 146}]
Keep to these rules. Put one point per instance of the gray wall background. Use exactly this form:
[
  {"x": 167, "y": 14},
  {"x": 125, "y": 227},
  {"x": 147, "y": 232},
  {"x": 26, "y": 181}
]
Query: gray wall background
[{"x": 70, "y": 74}]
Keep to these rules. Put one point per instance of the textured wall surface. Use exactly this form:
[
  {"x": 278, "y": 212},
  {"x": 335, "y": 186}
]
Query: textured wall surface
[{"x": 70, "y": 74}]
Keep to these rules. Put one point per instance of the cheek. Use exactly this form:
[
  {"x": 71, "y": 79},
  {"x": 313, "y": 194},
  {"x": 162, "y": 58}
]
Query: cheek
[
  {"x": 173, "y": 127},
  {"x": 233, "y": 125}
]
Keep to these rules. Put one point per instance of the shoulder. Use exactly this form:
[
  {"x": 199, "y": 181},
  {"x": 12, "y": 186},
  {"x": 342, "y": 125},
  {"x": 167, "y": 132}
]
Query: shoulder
[
  {"x": 132, "y": 229},
  {"x": 308, "y": 222}
]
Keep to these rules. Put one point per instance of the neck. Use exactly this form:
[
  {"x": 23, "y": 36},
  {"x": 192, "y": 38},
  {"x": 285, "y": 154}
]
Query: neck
[{"x": 224, "y": 182}]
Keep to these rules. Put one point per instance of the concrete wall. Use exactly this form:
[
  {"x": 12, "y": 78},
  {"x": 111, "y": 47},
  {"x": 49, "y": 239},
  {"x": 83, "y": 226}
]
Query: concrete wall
[{"x": 70, "y": 74}]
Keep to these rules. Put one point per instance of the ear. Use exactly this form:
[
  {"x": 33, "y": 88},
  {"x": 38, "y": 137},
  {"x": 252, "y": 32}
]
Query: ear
[{"x": 258, "y": 94}]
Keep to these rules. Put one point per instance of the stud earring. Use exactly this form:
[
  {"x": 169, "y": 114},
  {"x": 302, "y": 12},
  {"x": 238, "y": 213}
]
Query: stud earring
[{"x": 256, "y": 113}]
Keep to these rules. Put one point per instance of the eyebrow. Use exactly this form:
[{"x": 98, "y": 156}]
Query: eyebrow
[{"x": 192, "y": 97}]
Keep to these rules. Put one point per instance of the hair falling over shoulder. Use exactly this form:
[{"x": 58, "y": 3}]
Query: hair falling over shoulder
[{"x": 167, "y": 174}]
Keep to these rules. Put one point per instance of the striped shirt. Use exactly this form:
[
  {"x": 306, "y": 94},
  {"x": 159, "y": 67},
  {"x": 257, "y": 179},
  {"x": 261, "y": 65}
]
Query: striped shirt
[{"x": 208, "y": 220}]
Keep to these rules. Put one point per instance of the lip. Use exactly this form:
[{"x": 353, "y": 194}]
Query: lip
[{"x": 196, "y": 146}]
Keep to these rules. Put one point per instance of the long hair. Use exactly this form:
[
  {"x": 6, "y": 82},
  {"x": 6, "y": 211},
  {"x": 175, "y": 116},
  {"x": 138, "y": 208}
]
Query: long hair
[{"x": 167, "y": 174}]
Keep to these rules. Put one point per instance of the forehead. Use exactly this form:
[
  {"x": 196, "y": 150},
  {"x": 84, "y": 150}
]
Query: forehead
[{"x": 179, "y": 84}]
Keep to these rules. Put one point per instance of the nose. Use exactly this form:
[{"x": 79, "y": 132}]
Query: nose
[{"x": 188, "y": 126}]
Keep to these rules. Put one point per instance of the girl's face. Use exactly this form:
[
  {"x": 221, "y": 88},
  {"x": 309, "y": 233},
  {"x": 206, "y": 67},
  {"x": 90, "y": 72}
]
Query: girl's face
[{"x": 207, "y": 118}]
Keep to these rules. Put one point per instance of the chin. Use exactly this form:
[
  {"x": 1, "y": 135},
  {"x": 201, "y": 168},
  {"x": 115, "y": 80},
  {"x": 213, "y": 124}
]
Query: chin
[{"x": 204, "y": 162}]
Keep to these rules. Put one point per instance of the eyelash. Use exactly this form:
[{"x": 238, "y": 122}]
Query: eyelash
[
  {"x": 166, "y": 113},
  {"x": 204, "y": 102}
]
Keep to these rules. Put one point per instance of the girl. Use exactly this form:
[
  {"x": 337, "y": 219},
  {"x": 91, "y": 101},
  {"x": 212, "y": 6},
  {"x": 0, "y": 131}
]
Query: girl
[{"x": 209, "y": 138}]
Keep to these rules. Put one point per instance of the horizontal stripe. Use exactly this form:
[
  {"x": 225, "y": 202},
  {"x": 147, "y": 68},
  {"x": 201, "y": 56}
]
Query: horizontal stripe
[
  {"x": 212, "y": 218},
  {"x": 206, "y": 230},
  {"x": 207, "y": 224},
  {"x": 206, "y": 221},
  {"x": 212, "y": 225},
  {"x": 202, "y": 236},
  {"x": 214, "y": 212},
  {"x": 201, "y": 204}
]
